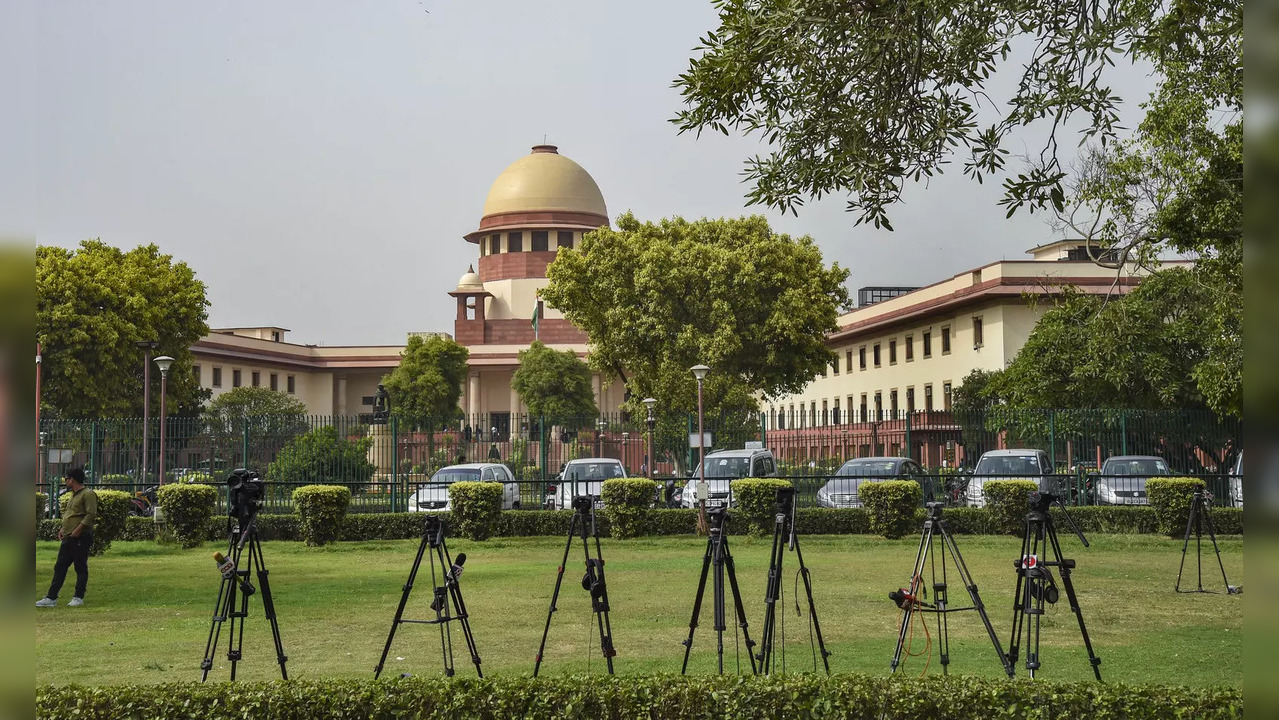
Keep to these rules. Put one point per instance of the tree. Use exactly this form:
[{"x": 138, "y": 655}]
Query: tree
[
  {"x": 860, "y": 97},
  {"x": 427, "y": 384},
  {"x": 554, "y": 384},
  {"x": 92, "y": 305},
  {"x": 323, "y": 457},
  {"x": 262, "y": 413},
  {"x": 657, "y": 298}
]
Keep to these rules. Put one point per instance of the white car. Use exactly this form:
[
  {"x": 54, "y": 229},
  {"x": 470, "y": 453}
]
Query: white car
[
  {"x": 434, "y": 495},
  {"x": 721, "y": 468},
  {"x": 1236, "y": 483},
  {"x": 841, "y": 491},
  {"x": 1017, "y": 464},
  {"x": 584, "y": 476}
]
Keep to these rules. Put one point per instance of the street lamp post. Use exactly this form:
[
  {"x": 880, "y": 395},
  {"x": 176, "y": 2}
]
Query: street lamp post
[
  {"x": 699, "y": 372},
  {"x": 147, "y": 346},
  {"x": 163, "y": 362},
  {"x": 599, "y": 437},
  {"x": 650, "y": 423}
]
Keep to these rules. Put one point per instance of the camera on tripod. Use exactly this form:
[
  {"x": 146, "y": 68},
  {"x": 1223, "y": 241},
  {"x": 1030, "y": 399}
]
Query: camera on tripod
[
  {"x": 583, "y": 502},
  {"x": 785, "y": 499},
  {"x": 247, "y": 491}
]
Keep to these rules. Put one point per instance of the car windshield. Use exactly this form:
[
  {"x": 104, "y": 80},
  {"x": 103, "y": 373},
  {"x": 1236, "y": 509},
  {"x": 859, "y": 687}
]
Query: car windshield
[
  {"x": 593, "y": 472},
  {"x": 842, "y": 486},
  {"x": 448, "y": 476},
  {"x": 1008, "y": 465},
  {"x": 1142, "y": 467},
  {"x": 868, "y": 468},
  {"x": 727, "y": 467}
]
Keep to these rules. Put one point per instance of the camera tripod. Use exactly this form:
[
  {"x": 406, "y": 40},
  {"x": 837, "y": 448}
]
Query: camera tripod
[
  {"x": 449, "y": 572},
  {"x": 911, "y": 602},
  {"x": 784, "y": 537},
  {"x": 1199, "y": 518},
  {"x": 1035, "y": 584},
  {"x": 583, "y": 526},
  {"x": 717, "y": 554},
  {"x": 236, "y": 585}
]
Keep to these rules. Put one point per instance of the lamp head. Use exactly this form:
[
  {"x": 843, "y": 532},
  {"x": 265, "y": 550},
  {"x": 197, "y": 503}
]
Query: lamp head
[
  {"x": 163, "y": 362},
  {"x": 699, "y": 371},
  {"x": 650, "y": 403}
]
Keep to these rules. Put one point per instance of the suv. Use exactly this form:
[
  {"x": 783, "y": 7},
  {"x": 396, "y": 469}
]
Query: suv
[
  {"x": 1236, "y": 482},
  {"x": 584, "y": 476},
  {"x": 434, "y": 495},
  {"x": 1017, "y": 464},
  {"x": 841, "y": 490},
  {"x": 1122, "y": 480},
  {"x": 724, "y": 466}
]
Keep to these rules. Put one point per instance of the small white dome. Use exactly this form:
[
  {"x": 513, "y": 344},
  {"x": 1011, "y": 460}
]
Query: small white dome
[{"x": 470, "y": 282}]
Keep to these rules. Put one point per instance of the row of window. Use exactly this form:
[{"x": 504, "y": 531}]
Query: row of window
[
  {"x": 237, "y": 379},
  {"x": 788, "y": 417},
  {"x": 541, "y": 241},
  {"x": 908, "y": 347}
]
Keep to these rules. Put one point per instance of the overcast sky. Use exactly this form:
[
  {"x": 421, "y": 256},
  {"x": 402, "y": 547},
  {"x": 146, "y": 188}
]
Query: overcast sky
[{"x": 317, "y": 163}]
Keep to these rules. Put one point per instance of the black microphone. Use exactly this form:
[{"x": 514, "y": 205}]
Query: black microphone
[{"x": 456, "y": 571}]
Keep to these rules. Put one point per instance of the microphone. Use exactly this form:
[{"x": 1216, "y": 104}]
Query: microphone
[
  {"x": 226, "y": 565},
  {"x": 904, "y": 599},
  {"x": 456, "y": 571}
]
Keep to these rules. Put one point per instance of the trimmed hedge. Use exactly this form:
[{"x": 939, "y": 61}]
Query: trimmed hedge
[
  {"x": 1009, "y": 503},
  {"x": 626, "y": 503},
  {"x": 187, "y": 509},
  {"x": 1171, "y": 498},
  {"x": 41, "y": 500},
  {"x": 757, "y": 502},
  {"x": 476, "y": 507},
  {"x": 642, "y": 696},
  {"x": 113, "y": 510},
  {"x": 321, "y": 509},
  {"x": 892, "y": 505}
]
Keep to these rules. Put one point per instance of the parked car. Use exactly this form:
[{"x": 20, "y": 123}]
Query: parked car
[
  {"x": 1122, "y": 480},
  {"x": 1015, "y": 464},
  {"x": 841, "y": 491},
  {"x": 721, "y": 468},
  {"x": 584, "y": 476},
  {"x": 434, "y": 495},
  {"x": 1236, "y": 482}
]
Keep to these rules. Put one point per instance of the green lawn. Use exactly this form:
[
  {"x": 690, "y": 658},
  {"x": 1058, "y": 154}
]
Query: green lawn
[{"x": 148, "y": 610}]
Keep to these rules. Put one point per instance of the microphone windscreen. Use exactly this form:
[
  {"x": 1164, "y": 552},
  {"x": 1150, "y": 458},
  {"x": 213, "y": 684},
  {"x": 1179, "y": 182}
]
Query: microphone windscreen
[{"x": 460, "y": 560}]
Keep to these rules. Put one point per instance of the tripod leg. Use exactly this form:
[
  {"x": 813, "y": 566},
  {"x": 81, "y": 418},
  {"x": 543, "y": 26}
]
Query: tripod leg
[
  {"x": 559, "y": 579},
  {"x": 1185, "y": 545},
  {"x": 925, "y": 546},
  {"x": 738, "y": 606},
  {"x": 812, "y": 608},
  {"x": 399, "y": 611},
  {"x": 771, "y": 593},
  {"x": 1014, "y": 642},
  {"x": 459, "y": 605},
  {"x": 697, "y": 603},
  {"x": 1065, "y": 567},
  {"x": 439, "y": 603},
  {"x": 1212, "y": 533},
  {"x": 967, "y": 579},
  {"x": 268, "y": 603},
  {"x": 601, "y": 607},
  {"x": 221, "y": 609},
  {"x": 717, "y": 600}
]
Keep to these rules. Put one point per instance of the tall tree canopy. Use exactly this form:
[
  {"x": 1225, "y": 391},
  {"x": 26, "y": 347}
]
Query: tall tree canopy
[
  {"x": 427, "y": 384},
  {"x": 264, "y": 412},
  {"x": 92, "y": 305},
  {"x": 859, "y": 97},
  {"x": 554, "y": 384},
  {"x": 657, "y": 298}
]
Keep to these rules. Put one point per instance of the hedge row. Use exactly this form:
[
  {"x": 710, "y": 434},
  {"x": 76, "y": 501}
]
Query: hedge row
[
  {"x": 808, "y": 521},
  {"x": 642, "y": 696}
]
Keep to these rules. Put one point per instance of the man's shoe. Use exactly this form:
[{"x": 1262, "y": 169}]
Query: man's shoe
[
  {"x": 75, "y": 602},
  {"x": 46, "y": 602}
]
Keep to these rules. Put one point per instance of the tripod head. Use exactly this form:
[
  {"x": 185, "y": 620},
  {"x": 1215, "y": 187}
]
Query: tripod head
[
  {"x": 785, "y": 500},
  {"x": 1041, "y": 502},
  {"x": 934, "y": 509},
  {"x": 715, "y": 518},
  {"x": 583, "y": 502}
]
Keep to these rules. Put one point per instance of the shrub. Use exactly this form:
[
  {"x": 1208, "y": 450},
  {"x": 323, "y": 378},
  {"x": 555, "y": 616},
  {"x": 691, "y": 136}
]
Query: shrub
[
  {"x": 187, "y": 510},
  {"x": 1171, "y": 499},
  {"x": 41, "y": 501},
  {"x": 626, "y": 503},
  {"x": 1009, "y": 502},
  {"x": 113, "y": 509},
  {"x": 323, "y": 457},
  {"x": 757, "y": 502},
  {"x": 848, "y": 695},
  {"x": 892, "y": 505},
  {"x": 321, "y": 509},
  {"x": 475, "y": 508}
]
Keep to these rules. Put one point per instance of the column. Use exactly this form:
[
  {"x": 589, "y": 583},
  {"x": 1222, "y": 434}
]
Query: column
[
  {"x": 341, "y": 404},
  {"x": 472, "y": 396}
]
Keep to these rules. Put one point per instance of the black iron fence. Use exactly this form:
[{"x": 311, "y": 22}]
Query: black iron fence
[{"x": 387, "y": 464}]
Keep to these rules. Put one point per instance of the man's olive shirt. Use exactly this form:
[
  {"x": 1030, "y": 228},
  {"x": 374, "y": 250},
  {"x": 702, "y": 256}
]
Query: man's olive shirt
[{"x": 82, "y": 509}]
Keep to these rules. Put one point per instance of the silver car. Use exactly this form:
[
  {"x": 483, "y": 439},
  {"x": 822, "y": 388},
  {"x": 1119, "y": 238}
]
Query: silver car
[
  {"x": 434, "y": 495},
  {"x": 1015, "y": 464},
  {"x": 1236, "y": 483},
  {"x": 1122, "y": 480},
  {"x": 584, "y": 476},
  {"x": 721, "y": 468},
  {"x": 841, "y": 491}
]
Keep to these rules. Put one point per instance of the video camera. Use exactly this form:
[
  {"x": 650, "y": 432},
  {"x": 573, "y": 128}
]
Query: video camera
[
  {"x": 785, "y": 499},
  {"x": 583, "y": 502},
  {"x": 247, "y": 491}
]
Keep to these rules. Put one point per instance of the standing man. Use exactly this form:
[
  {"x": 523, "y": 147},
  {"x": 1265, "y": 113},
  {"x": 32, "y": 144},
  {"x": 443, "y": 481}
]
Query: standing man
[{"x": 77, "y": 537}]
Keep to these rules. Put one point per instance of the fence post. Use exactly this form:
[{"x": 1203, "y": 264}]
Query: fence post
[
  {"x": 245, "y": 444},
  {"x": 763, "y": 430},
  {"x": 1123, "y": 432},
  {"x": 395, "y": 465},
  {"x": 1052, "y": 438},
  {"x": 543, "y": 445},
  {"x": 909, "y": 447},
  {"x": 93, "y": 448}
]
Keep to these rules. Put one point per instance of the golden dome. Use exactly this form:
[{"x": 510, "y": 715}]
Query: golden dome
[{"x": 544, "y": 181}]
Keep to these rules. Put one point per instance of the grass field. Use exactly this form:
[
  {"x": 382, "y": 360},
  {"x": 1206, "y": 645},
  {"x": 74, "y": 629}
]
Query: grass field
[{"x": 148, "y": 610}]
